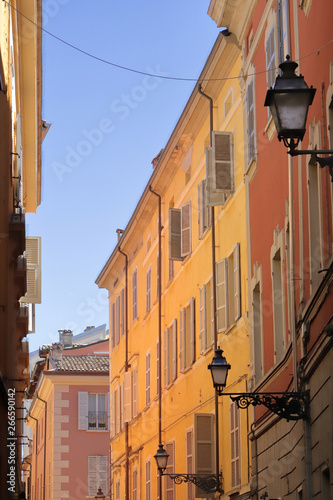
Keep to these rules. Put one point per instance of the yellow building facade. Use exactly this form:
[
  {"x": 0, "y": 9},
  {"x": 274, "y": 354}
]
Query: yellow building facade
[{"x": 165, "y": 340}]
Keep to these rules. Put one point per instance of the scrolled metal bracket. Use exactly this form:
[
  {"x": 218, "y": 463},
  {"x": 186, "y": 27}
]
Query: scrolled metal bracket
[
  {"x": 209, "y": 483},
  {"x": 288, "y": 405}
]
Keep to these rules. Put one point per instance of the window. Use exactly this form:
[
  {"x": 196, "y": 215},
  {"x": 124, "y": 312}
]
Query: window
[
  {"x": 228, "y": 300},
  {"x": 135, "y": 294},
  {"x": 187, "y": 336},
  {"x": 170, "y": 354},
  {"x": 222, "y": 162},
  {"x": 283, "y": 29},
  {"x": 135, "y": 484},
  {"x": 270, "y": 59},
  {"x": 148, "y": 487},
  {"x": 250, "y": 122},
  {"x": 214, "y": 198},
  {"x": 204, "y": 220},
  {"x": 148, "y": 378},
  {"x": 92, "y": 411},
  {"x": 97, "y": 474},
  {"x": 189, "y": 462},
  {"x": 169, "y": 483},
  {"x": 257, "y": 325},
  {"x": 206, "y": 316},
  {"x": 130, "y": 400},
  {"x": 278, "y": 296},
  {"x": 203, "y": 447},
  {"x": 235, "y": 443},
  {"x": 148, "y": 290},
  {"x": 180, "y": 232},
  {"x": 116, "y": 412}
]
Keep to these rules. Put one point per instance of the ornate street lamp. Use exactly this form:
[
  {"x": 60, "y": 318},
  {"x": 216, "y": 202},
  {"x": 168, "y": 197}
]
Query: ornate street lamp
[
  {"x": 288, "y": 405},
  {"x": 100, "y": 495},
  {"x": 206, "y": 482},
  {"x": 289, "y": 100}
]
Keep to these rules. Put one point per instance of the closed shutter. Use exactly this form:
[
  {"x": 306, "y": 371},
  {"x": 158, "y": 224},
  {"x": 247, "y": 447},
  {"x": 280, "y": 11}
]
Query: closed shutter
[
  {"x": 221, "y": 295},
  {"x": 204, "y": 448},
  {"x": 135, "y": 484},
  {"x": 192, "y": 330},
  {"x": 270, "y": 61},
  {"x": 202, "y": 208},
  {"x": 250, "y": 121},
  {"x": 166, "y": 358},
  {"x": 148, "y": 290},
  {"x": 113, "y": 414},
  {"x": 135, "y": 390},
  {"x": 148, "y": 379},
  {"x": 122, "y": 312},
  {"x": 103, "y": 473},
  {"x": 189, "y": 462},
  {"x": 117, "y": 410},
  {"x": 33, "y": 260},
  {"x": 157, "y": 368},
  {"x": 175, "y": 234},
  {"x": 237, "y": 283},
  {"x": 169, "y": 483},
  {"x": 214, "y": 198},
  {"x": 234, "y": 430},
  {"x": 174, "y": 349},
  {"x": 210, "y": 304},
  {"x": 92, "y": 475},
  {"x": 186, "y": 229},
  {"x": 113, "y": 325},
  {"x": 127, "y": 396},
  {"x": 117, "y": 319},
  {"x": 148, "y": 480},
  {"x": 182, "y": 339},
  {"x": 134, "y": 295},
  {"x": 83, "y": 411},
  {"x": 203, "y": 329},
  {"x": 222, "y": 162},
  {"x": 108, "y": 412}
]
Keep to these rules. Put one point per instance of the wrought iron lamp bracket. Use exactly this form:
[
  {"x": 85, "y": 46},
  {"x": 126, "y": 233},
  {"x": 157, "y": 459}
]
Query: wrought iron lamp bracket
[
  {"x": 288, "y": 405},
  {"x": 323, "y": 161},
  {"x": 206, "y": 482}
]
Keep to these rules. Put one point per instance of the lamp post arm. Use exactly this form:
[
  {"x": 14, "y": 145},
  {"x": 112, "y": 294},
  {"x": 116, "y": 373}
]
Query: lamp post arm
[{"x": 326, "y": 161}]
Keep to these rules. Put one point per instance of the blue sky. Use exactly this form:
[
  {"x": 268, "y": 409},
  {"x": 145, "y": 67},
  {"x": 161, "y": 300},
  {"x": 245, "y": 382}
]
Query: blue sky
[{"x": 107, "y": 124}]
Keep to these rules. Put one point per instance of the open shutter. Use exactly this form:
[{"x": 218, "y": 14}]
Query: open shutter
[
  {"x": 157, "y": 368},
  {"x": 103, "y": 473},
  {"x": 186, "y": 229},
  {"x": 166, "y": 358},
  {"x": 135, "y": 390},
  {"x": 113, "y": 414},
  {"x": 203, "y": 329},
  {"x": 113, "y": 325},
  {"x": 148, "y": 378},
  {"x": 108, "y": 412},
  {"x": 210, "y": 304},
  {"x": 222, "y": 160},
  {"x": 235, "y": 452},
  {"x": 204, "y": 448},
  {"x": 122, "y": 312},
  {"x": 127, "y": 396},
  {"x": 221, "y": 295},
  {"x": 202, "y": 219},
  {"x": 92, "y": 475},
  {"x": 83, "y": 411},
  {"x": 34, "y": 281},
  {"x": 192, "y": 329},
  {"x": 174, "y": 349},
  {"x": 237, "y": 284},
  {"x": 117, "y": 319},
  {"x": 169, "y": 483},
  {"x": 214, "y": 198},
  {"x": 175, "y": 234},
  {"x": 189, "y": 462},
  {"x": 250, "y": 121},
  {"x": 117, "y": 409},
  {"x": 182, "y": 341}
]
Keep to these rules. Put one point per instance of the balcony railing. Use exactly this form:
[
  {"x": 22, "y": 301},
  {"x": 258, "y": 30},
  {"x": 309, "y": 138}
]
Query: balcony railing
[{"x": 97, "y": 420}]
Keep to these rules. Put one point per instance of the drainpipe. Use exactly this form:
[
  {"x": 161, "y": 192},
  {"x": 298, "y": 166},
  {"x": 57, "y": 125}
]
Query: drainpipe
[
  {"x": 159, "y": 264},
  {"x": 212, "y": 211},
  {"x": 45, "y": 428},
  {"x": 126, "y": 370}
]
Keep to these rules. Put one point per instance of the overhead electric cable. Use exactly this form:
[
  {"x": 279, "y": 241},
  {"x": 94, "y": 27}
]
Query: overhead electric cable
[{"x": 132, "y": 70}]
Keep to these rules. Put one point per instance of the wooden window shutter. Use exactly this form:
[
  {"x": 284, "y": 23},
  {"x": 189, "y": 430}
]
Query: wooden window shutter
[
  {"x": 222, "y": 162},
  {"x": 186, "y": 229},
  {"x": 33, "y": 260},
  {"x": 157, "y": 368},
  {"x": 117, "y": 319},
  {"x": 122, "y": 312},
  {"x": 250, "y": 121},
  {"x": 237, "y": 283},
  {"x": 270, "y": 58},
  {"x": 175, "y": 234},
  {"x": 148, "y": 378},
  {"x": 182, "y": 339},
  {"x": 92, "y": 475},
  {"x": 113, "y": 414},
  {"x": 147, "y": 480},
  {"x": 169, "y": 483},
  {"x": 174, "y": 349},
  {"x": 166, "y": 358},
  {"x": 113, "y": 325},
  {"x": 134, "y": 294},
  {"x": 118, "y": 410},
  {"x": 204, "y": 448},
  {"x": 189, "y": 462},
  {"x": 135, "y": 391},
  {"x": 213, "y": 197},
  {"x": 203, "y": 329},
  {"x": 192, "y": 331},
  {"x": 210, "y": 337},
  {"x": 135, "y": 484},
  {"x": 83, "y": 411},
  {"x": 148, "y": 290},
  {"x": 103, "y": 473},
  {"x": 127, "y": 397},
  {"x": 108, "y": 411},
  {"x": 234, "y": 434},
  {"x": 221, "y": 295},
  {"x": 202, "y": 219}
]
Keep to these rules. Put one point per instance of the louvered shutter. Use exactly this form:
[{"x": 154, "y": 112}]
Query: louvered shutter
[
  {"x": 222, "y": 162},
  {"x": 214, "y": 198},
  {"x": 250, "y": 121},
  {"x": 113, "y": 325},
  {"x": 234, "y": 434},
  {"x": 192, "y": 329},
  {"x": 186, "y": 229},
  {"x": 117, "y": 410},
  {"x": 157, "y": 368},
  {"x": 237, "y": 284},
  {"x": 175, "y": 234},
  {"x": 122, "y": 312},
  {"x": 108, "y": 411},
  {"x": 147, "y": 480},
  {"x": 182, "y": 339},
  {"x": 127, "y": 396},
  {"x": 148, "y": 379},
  {"x": 92, "y": 475},
  {"x": 113, "y": 414},
  {"x": 210, "y": 337},
  {"x": 221, "y": 295},
  {"x": 166, "y": 358},
  {"x": 33, "y": 259},
  {"x": 189, "y": 462},
  {"x": 135, "y": 390},
  {"x": 169, "y": 483},
  {"x": 83, "y": 411},
  {"x": 103, "y": 473},
  {"x": 18, "y": 162},
  {"x": 204, "y": 448},
  {"x": 203, "y": 329},
  {"x": 202, "y": 219},
  {"x": 134, "y": 295},
  {"x": 174, "y": 349},
  {"x": 117, "y": 319}
]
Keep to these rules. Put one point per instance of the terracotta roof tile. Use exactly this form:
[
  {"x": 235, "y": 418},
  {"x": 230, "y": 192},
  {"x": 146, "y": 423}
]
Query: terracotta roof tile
[{"x": 82, "y": 364}]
